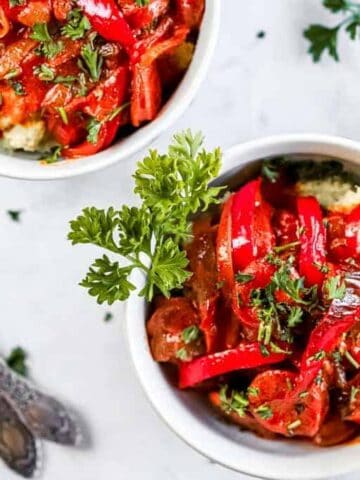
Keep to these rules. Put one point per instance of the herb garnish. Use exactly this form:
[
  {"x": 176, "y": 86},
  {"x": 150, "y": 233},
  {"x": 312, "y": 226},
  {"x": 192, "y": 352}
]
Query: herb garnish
[
  {"x": 190, "y": 334},
  {"x": 77, "y": 25},
  {"x": 48, "y": 46},
  {"x": 142, "y": 3},
  {"x": 353, "y": 394},
  {"x": 264, "y": 411},
  {"x": 17, "y": 361},
  {"x": 172, "y": 187},
  {"x": 93, "y": 128},
  {"x": 323, "y": 38},
  {"x": 14, "y": 215},
  {"x": 91, "y": 59},
  {"x": 237, "y": 402},
  {"x": 244, "y": 277},
  {"x": 17, "y": 87},
  {"x": 53, "y": 155},
  {"x": 335, "y": 288},
  {"x": 108, "y": 317}
]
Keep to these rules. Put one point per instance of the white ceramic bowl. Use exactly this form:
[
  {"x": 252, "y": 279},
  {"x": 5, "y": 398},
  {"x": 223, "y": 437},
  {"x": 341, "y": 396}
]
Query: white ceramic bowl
[
  {"x": 23, "y": 166},
  {"x": 186, "y": 413}
]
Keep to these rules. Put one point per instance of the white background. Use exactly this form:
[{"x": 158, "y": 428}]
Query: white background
[{"x": 255, "y": 87}]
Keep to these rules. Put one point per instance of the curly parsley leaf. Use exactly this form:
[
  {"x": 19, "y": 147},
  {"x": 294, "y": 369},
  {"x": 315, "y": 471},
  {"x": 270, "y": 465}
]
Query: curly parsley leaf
[
  {"x": 150, "y": 237},
  {"x": 91, "y": 60},
  {"x": 323, "y": 38},
  {"x": 335, "y": 288}
]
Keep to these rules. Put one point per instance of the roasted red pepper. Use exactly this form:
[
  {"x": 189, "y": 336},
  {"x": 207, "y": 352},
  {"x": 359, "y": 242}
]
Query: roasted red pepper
[
  {"x": 313, "y": 240},
  {"x": 246, "y": 355},
  {"x": 224, "y": 248},
  {"x": 352, "y": 233},
  {"x": 108, "y": 20},
  {"x": 252, "y": 234},
  {"x": 105, "y": 137}
]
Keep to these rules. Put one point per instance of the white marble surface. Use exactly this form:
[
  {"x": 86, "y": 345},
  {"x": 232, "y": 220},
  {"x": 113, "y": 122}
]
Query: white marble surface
[{"x": 255, "y": 87}]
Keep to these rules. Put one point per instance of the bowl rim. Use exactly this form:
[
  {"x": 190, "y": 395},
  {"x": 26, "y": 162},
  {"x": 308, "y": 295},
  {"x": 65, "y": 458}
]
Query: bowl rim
[
  {"x": 321, "y": 463},
  {"x": 13, "y": 166}
]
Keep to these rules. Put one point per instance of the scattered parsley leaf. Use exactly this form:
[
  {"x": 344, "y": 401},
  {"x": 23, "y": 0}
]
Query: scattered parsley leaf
[
  {"x": 17, "y": 361},
  {"x": 237, "y": 402},
  {"x": 108, "y": 317},
  {"x": 244, "y": 277},
  {"x": 91, "y": 59},
  {"x": 261, "y": 34},
  {"x": 335, "y": 288},
  {"x": 264, "y": 411},
  {"x": 93, "y": 129},
  {"x": 295, "y": 317},
  {"x": 190, "y": 334},
  {"x": 48, "y": 47},
  {"x": 14, "y": 215},
  {"x": 182, "y": 355},
  {"x": 17, "y": 87},
  {"x": 16, "y": 3},
  {"x": 142, "y": 3},
  {"x": 63, "y": 115},
  {"x": 353, "y": 394},
  {"x": 77, "y": 25},
  {"x": 53, "y": 156},
  {"x": 45, "y": 73},
  {"x": 287, "y": 246}
]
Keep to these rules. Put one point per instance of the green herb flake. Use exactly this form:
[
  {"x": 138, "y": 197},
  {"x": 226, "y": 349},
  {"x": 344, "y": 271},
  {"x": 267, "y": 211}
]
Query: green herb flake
[
  {"x": 53, "y": 156},
  {"x": 93, "y": 128},
  {"x": 77, "y": 25},
  {"x": 45, "y": 73},
  {"x": 142, "y": 3},
  {"x": 264, "y": 351},
  {"x": 182, "y": 355},
  {"x": 14, "y": 215},
  {"x": 91, "y": 60},
  {"x": 190, "y": 334},
  {"x": 352, "y": 360},
  {"x": 236, "y": 402},
  {"x": 335, "y": 288},
  {"x": 48, "y": 46},
  {"x": 353, "y": 393},
  {"x": 287, "y": 246},
  {"x": 261, "y": 34},
  {"x": 18, "y": 87},
  {"x": 108, "y": 317},
  {"x": 17, "y": 361},
  {"x": 253, "y": 391},
  {"x": 63, "y": 115},
  {"x": 264, "y": 411},
  {"x": 244, "y": 277}
]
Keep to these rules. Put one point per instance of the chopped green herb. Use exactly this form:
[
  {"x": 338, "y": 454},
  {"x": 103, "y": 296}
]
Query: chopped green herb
[
  {"x": 14, "y": 215},
  {"x": 270, "y": 169},
  {"x": 264, "y": 411},
  {"x": 303, "y": 394},
  {"x": 276, "y": 349},
  {"x": 335, "y": 288},
  {"x": 320, "y": 355},
  {"x": 108, "y": 317},
  {"x": 190, "y": 334},
  {"x": 93, "y": 128},
  {"x": 287, "y": 246},
  {"x": 244, "y": 277},
  {"x": 65, "y": 80},
  {"x": 172, "y": 187},
  {"x": 237, "y": 402},
  {"x": 63, "y": 115},
  {"x": 353, "y": 394},
  {"x": 295, "y": 317},
  {"x": 352, "y": 360},
  {"x": 118, "y": 110},
  {"x": 17, "y": 361},
  {"x": 53, "y": 156},
  {"x": 261, "y": 34},
  {"x": 76, "y": 26},
  {"x": 17, "y": 87},
  {"x": 45, "y": 73},
  {"x": 48, "y": 47},
  {"x": 16, "y": 3},
  {"x": 254, "y": 391},
  {"x": 182, "y": 354},
  {"x": 322, "y": 267},
  {"x": 92, "y": 60},
  {"x": 142, "y": 3},
  {"x": 264, "y": 351},
  {"x": 11, "y": 74}
]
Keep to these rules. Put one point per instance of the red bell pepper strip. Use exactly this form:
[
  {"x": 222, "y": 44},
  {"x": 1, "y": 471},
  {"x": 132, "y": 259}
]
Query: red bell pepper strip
[
  {"x": 246, "y": 355},
  {"x": 224, "y": 248},
  {"x": 108, "y": 20},
  {"x": 352, "y": 233},
  {"x": 105, "y": 137},
  {"x": 324, "y": 339},
  {"x": 252, "y": 234},
  {"x": 146, "y": 93},
  {"x": 313, "y": 240}
]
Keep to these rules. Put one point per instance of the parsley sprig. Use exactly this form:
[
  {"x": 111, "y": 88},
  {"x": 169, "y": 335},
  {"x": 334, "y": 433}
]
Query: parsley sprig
[
  {"x": 48, "y": 46},
  {"x": 149, "y": 238},
  {"x": 323, "y": 38}
]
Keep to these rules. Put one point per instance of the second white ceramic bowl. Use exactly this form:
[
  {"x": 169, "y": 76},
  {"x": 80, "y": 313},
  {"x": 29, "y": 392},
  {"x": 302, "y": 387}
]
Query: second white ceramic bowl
[
  {"x": 186, "y": 413},
  {"x": 22, "y": 166}
]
